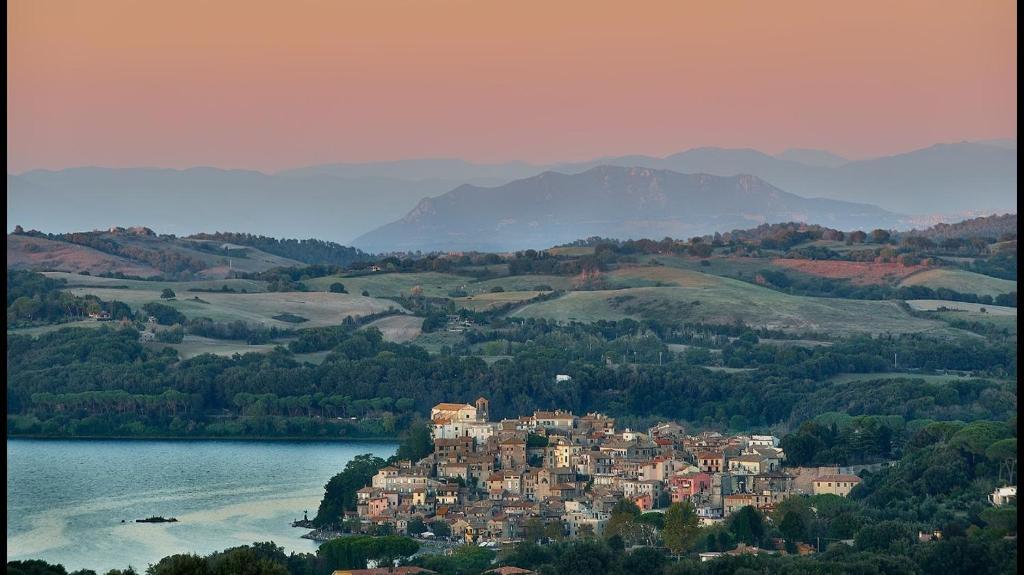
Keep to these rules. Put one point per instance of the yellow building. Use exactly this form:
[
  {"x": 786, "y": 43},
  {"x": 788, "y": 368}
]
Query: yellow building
[{"x": 835, "y": 484}]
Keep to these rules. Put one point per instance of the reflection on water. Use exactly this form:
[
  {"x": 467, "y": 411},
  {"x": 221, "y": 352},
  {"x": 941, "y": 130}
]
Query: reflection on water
[{"x": 66, "y": 499}]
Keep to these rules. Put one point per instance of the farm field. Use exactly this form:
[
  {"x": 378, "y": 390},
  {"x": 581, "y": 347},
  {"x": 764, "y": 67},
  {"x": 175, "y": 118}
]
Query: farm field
[
  {"x": 194, "y": 345},
  {"x": 393, "y": 284},
  {"x": 486, "y": 301},
  {"x": 860, "y": 273},
  {"x": 398, "y": 328},
  {"x": 320, "y": 308},
  {"x": 522, "y": 283},
  {"x": 961, "y": 281},
  {"x": 653, "y": 276},
  {"x": 582, "y": 306},
  {"x": 180, "y": 288},
  {"x": 729, "y": 301},
  {"x": 39, "y": 330},
  {"x": 795, "y": 342},
  {"x": 683, "y": 348},
  {"x": 434, "y": 341},
  {"x": 1002, "y": 322},
  {"x": 974, "y": 308},
  {"x": 728, "y": 369},
  {"x": 725, "y": 266}
]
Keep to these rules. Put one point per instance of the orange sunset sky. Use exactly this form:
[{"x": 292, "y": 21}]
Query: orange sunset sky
[{"x": 271, "y": 85}]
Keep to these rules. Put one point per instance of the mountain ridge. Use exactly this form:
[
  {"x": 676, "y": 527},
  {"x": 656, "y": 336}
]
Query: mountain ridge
[
  {"x": 344, "y": 201},
  {"x": 611, "y": 201}
]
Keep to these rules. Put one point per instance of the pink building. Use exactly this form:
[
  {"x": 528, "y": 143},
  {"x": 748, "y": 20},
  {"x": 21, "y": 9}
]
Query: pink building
[
  {"x": 377, "y": 506},
  {"x": 644, "y": 502},
  {"x": 686, "y": 486}
]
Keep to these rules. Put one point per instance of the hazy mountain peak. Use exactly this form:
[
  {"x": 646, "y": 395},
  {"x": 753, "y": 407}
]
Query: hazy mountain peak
[
  {"x": 812, "y": 157},
  {"x": 606, "y": 200}
]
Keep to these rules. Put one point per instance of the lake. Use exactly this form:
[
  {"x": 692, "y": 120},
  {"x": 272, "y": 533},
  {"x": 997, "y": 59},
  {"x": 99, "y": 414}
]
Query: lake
[{"x": 66, "y": 498}]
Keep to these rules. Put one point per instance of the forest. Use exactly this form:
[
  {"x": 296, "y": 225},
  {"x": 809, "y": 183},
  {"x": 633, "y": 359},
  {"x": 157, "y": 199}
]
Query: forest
[{"x": 103, "y": 381}]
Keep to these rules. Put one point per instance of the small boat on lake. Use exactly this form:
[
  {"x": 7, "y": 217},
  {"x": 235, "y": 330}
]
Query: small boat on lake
[{"x": 157, "y": 519}]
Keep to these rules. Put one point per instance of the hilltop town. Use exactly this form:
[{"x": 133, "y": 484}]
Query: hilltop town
[{"x": 561, "y": 474}]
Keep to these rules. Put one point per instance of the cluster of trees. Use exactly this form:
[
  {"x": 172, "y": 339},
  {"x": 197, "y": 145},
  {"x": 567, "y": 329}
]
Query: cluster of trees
[
  {"x": 264, "y": 558},
  {"x": 34, "y": 298},
  {"x": 309, "y": 251},
  {"x": 1003, "y": 264},
  {"x": 294, "y": 278},
  {"x": 340, "y": 491},
  {"x": 356, "y": 344},
  {"x": 544, "y": 262},
  {"x": 234, "y": 330},
  {"x": 991, "y": 228},
  {"x": 164, "y": 314},
  {"x": 863, "y": 439},
  {"x": 831, "y": 287}
]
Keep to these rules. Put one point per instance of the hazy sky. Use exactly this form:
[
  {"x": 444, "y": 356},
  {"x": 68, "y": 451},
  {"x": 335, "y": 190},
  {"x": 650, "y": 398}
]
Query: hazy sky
[{"x": 269, "y": 85}]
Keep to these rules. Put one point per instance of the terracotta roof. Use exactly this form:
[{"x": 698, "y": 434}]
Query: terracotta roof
[
  {"x": 552, "y": 415},
  {"x": 834, "y": 478},
  {"x": 408, "y": 570},
  {"x": 452, "y": 406}
]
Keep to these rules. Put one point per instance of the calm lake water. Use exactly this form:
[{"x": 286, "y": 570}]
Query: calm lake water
[{"x": 66, "y": 499}]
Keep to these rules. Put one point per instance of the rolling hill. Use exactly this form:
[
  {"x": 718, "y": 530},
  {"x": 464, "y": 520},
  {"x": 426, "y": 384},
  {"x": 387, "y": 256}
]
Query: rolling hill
[
  {"x": 136, "y": 252},
  {"x": 722, "y": 301},
  {"x": 608, "y": 201},
  {"x": 35, "y": 253}
]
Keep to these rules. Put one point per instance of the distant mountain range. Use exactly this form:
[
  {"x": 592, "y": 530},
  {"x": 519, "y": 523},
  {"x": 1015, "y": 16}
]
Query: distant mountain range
[
  {"x": 182, "y": 202},
  {"x": 608, "y": 201},
  {"x": 810, "y": 157},
  {"x": 945, "y": 178},
  {"x": 340, "y": 202}
]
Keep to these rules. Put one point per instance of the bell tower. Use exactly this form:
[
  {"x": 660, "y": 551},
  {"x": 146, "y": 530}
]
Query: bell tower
[{"x": 481, "y": 408}]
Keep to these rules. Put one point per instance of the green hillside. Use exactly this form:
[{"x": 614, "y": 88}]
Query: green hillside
[
  {"x": 961, "y": 281},
  {"x": 725, "y": 300}
]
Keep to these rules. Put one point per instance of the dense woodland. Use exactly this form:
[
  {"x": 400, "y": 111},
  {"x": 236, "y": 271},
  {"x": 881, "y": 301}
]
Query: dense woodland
[{"x": 103, "y": 381}]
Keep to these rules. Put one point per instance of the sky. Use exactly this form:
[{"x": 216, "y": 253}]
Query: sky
[{"x": 273, "y": 85}]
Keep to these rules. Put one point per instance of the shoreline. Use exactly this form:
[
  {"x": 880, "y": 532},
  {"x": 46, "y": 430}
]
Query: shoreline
[{"x": 384, "y": 439}]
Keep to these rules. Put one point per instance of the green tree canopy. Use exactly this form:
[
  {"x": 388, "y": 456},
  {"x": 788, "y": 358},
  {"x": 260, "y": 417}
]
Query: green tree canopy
[
  {"x": 340, "y": 491},
  {"x": 681, "y": 527}
]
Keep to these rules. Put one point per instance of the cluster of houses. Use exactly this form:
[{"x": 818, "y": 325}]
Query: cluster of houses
[{"x": 491, "y": 480}]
